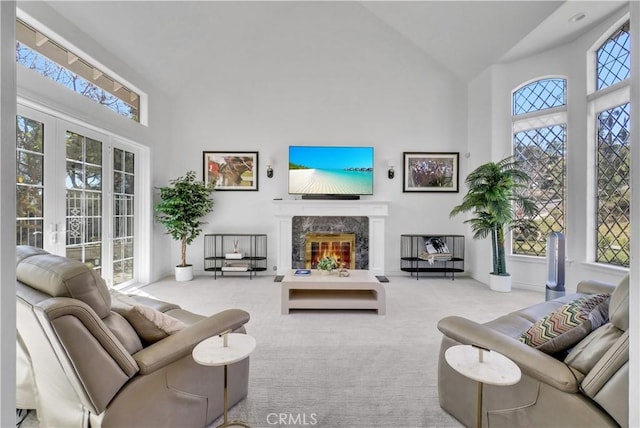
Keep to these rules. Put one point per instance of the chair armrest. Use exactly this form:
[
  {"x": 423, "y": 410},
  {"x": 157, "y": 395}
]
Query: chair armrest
[
  {"x": 592, "y": 286},
  {"x": 180, "y": 344},
  {"x": 532, "y": 362}
]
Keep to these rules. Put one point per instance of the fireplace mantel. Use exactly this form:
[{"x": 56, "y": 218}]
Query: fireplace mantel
[{"x": 376, "y": 211}]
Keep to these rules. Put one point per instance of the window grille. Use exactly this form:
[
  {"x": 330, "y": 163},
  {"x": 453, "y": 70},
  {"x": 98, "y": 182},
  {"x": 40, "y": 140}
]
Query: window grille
[
  {"x": 49, "y": 58},
  {"x": 614, "y": 58},
  {"x": 542, "y": 155},
  {"x": 613, "y": 186},
  {"x": 540, "y": 95},
  {"x": 539, "y": 144}
]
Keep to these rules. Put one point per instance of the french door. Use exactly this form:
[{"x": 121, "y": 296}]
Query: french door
[{"x": 76, "y": 194}]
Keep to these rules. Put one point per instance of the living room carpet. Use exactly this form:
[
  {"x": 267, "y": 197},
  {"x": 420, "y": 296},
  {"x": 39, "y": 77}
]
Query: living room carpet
[{"x": 343, "y": 368}]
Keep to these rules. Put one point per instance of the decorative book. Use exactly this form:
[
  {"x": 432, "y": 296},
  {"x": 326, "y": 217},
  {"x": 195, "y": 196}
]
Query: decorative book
[
  {"x": 302, "y": 272},
  {"x": 233, "y": 256}
]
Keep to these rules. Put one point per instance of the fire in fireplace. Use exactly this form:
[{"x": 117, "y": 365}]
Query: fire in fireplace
[{"x": 340, "y": 246}]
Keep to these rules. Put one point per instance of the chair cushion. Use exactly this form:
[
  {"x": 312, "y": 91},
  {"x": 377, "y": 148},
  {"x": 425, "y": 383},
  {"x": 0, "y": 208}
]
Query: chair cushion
[
  {"x": 569, "y": 324},
  {"x": 150, "y": 324}
]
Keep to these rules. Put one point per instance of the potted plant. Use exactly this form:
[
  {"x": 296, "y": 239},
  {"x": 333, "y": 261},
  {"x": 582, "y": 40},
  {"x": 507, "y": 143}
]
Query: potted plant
[
  {"x": 496, "y": 201},
  {"x": 183, "y": 203},
  {"x": 326, "y": 265}
]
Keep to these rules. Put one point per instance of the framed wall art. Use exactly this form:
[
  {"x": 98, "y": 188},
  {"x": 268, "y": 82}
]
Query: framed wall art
[
  {"x": 430, "y": 172},
  {"x": 231, "y": 170}
]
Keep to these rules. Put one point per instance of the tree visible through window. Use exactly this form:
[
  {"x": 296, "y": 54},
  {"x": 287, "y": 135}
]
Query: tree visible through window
[
  {"x": 37, "y": 52},
  {"x": 541, "y": 151}
]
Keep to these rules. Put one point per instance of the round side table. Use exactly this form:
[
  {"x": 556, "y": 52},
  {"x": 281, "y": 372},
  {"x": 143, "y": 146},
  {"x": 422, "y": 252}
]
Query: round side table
[
  {"x": 483, "y": 366},
  {"x": 223, "y": 350}
]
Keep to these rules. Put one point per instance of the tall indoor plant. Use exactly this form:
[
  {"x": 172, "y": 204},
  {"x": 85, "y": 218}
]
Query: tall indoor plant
[
  {"x": 183, "y": 203},
  {"x": 494, "y": 197}
]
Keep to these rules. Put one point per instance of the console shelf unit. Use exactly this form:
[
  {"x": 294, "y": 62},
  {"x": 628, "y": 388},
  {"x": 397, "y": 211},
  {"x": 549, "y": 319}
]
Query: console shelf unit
[
  {"x": 253, "y": 248},
  {"x": 411, "y": 247}
]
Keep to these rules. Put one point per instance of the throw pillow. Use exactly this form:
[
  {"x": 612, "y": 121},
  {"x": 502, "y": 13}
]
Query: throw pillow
[
  {"x": 150, "y": 324},
  {"x": 569, "y": 324}
]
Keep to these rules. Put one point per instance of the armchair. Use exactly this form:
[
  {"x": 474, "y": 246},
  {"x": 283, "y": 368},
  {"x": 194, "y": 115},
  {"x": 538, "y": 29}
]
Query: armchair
[
  {"x": 586, "y": 386},
  {"x": 81, "y": 363}
]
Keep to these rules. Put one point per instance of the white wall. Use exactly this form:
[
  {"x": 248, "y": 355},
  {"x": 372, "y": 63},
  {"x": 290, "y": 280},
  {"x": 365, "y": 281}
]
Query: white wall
[
  {"x": 490, "y": 132},
  {"x": 325, "y": 73}
]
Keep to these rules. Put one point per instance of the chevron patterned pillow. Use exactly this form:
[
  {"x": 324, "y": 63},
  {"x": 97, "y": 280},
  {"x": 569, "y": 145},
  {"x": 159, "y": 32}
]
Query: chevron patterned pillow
[{"x": 567, "y": 325}]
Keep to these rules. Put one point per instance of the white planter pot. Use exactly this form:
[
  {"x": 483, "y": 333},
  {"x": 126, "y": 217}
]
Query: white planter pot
[
  {"x": 501, "y": 283},
  {"x": 184, "y": 273}
]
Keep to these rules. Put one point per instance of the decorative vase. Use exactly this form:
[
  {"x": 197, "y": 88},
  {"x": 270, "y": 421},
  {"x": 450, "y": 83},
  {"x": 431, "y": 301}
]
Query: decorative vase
[
  {"x": 501, "y": 283},
  {"x": 324, "y": 272},
  {"x": 184, "y": 273}
]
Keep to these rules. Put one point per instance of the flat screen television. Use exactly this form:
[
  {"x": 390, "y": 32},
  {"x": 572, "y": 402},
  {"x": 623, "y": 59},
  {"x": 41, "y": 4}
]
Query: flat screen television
[{"x": 317, "y": 172}]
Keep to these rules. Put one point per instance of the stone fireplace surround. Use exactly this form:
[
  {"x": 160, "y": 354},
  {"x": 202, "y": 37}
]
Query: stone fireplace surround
[{"x": 286, "y": 210}]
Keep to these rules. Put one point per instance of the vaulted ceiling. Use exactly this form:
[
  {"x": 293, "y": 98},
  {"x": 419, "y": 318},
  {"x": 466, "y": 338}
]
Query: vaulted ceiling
[{"x": 159, "y": 38}]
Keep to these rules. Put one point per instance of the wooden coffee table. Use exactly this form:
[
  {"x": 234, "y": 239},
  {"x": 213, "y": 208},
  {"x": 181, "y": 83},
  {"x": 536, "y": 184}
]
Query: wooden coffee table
[{"x": 360, "y": 290}]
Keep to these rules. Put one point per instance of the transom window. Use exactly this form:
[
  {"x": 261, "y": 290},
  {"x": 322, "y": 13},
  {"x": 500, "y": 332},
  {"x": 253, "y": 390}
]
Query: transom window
[
  {"x": 49, "y": 58},
  {"x": 614, "y": 58},
  {"x": 540, "y": 95},
  {"x": 539, "y": 144}
]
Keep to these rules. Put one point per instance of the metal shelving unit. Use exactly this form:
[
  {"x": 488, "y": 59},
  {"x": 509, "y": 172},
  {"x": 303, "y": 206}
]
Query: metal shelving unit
[
  {"x": 219, "y": 256},
  {"x": 415, "y": 259}
]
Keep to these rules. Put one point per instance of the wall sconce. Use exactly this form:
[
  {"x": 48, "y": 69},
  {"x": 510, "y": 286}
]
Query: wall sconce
[
  {"x": 269, "y": 171},
  {"x": 391, "y": 172}
]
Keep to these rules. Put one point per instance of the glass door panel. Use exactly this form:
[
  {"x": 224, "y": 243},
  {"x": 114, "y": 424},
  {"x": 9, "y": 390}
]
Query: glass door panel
[
  {"x": 29, "y": 182},
  {"x": 83, "y": 182},
  {"x": 123, "y": 215}
]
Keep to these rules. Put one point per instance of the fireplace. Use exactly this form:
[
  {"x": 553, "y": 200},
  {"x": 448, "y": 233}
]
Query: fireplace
[
  {"x": 370, "y": 232},
  {"x": 324, "y": 228},
  {"x": 339, "y": 246}
]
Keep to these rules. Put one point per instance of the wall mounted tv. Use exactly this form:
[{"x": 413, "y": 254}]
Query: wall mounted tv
[{"x": 330, "y": 172}]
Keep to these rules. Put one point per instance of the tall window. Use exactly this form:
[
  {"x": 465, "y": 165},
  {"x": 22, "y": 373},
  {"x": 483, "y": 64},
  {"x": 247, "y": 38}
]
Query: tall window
[
  {"x": 613, "y": 146},
  {"x": 539, "y": 139},
  {"x": 51, "y": 59}
]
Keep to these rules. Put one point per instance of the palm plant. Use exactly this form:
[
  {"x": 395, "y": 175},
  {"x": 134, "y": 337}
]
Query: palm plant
[
  {"x": 183, "y": 203},
  {"x": 496, "y": 201}
]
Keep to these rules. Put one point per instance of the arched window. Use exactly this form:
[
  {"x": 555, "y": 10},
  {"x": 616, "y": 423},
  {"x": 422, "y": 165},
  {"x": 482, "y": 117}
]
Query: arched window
[
  {"x": 539, "y": 139},
  {"x": 612, "y": 150}
]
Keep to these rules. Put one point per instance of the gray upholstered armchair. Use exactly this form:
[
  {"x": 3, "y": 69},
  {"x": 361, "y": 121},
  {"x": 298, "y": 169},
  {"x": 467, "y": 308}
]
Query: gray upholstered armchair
[{"x": 83, "y": 361}]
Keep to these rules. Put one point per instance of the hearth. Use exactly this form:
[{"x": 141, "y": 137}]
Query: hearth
[
  {"x": 302, "y": 226},
  {"x": 340, "y": 246}
]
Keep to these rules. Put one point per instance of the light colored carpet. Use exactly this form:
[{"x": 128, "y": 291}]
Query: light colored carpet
[{"x": 343, "y": 368}]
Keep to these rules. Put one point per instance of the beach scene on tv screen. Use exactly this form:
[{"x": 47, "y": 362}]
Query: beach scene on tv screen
[{"x": 331, "y": 170}]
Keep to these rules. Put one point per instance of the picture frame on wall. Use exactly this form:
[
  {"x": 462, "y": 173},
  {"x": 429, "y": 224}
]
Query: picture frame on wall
[
  {"x": 430, "y": 172},
  {"x": 231, "y": 170}
]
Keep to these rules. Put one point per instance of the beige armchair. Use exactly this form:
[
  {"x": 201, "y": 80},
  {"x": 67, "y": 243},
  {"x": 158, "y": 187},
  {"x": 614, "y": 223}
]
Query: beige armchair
[
  {"x": 81, "y": 363},
  {"x": 586, "y": 387}
]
